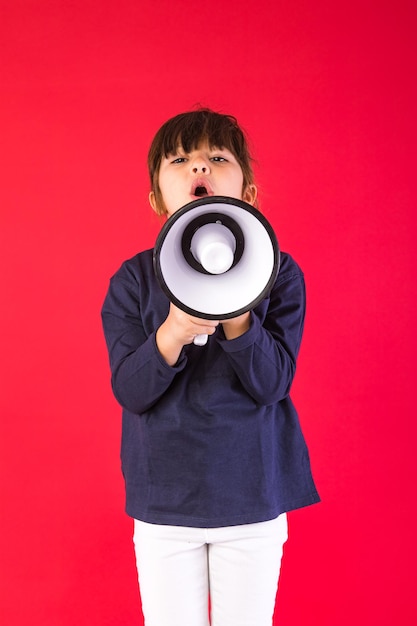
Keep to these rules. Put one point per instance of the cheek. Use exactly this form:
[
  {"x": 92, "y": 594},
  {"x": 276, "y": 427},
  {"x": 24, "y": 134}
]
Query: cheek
[
  {"x": 169, "y": 186},
  {"x": 239, "y": 179}
]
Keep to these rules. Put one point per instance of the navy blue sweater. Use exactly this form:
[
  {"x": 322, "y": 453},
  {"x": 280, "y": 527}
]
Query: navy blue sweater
[{"x": 215, "y": 440}]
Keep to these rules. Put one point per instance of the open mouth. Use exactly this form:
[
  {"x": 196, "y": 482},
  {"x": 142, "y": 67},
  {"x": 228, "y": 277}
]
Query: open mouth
[
  {"x": 201, "y": 191},
  {"x": 201, "y": 188}
]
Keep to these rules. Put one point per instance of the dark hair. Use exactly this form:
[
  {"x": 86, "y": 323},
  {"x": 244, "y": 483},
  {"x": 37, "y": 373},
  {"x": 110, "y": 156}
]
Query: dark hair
[{"x": 189, "y": 130}]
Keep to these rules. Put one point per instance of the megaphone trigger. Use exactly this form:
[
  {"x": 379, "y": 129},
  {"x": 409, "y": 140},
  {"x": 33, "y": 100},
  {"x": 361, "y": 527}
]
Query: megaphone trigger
[{"x": 200, "y": 340}]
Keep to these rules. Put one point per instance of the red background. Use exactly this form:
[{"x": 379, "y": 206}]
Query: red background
[{"x": 327, "y": 93}]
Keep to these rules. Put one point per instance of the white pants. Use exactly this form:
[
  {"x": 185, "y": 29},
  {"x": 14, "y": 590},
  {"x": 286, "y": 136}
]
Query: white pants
[{"x": 238, "y": 566}]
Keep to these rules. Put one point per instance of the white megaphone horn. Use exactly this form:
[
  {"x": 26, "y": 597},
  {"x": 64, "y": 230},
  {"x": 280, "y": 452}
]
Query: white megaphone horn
[{"x": 216, "y": 258}]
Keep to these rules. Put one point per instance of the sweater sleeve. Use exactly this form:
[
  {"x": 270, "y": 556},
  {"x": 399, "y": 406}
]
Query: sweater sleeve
[
  {"x": 139, "y": 374},
  {"x": 264, "y": 358}
]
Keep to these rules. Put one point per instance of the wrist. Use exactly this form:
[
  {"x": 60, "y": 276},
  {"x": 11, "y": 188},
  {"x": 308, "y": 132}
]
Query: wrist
[
  {"x": 236, "y": 326},
  {"x": 167, "y": 346}
]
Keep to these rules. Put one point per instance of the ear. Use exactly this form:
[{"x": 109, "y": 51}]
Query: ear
[
  {"x": 159, "y": 210},
  {"x": 152, "y": 201},
  {"x": 250, "y": 194}
]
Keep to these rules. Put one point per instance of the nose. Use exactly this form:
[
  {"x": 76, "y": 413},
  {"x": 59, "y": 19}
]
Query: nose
[{"x": 200, "y": 165}]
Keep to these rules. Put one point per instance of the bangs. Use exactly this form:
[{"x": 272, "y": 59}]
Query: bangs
[{"x": 189, "y": 130}]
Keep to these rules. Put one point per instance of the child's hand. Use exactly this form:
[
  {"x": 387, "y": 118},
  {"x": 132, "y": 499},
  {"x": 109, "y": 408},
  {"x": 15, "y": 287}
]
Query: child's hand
[
  {"x": 178, "y": 330},
  {"x": 185, "y": 327},
  {"x": 236, "y": 326}
]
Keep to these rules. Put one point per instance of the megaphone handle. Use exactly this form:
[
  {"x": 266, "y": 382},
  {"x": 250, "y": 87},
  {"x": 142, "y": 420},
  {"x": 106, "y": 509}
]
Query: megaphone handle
[{"x": 200, "y": 340}]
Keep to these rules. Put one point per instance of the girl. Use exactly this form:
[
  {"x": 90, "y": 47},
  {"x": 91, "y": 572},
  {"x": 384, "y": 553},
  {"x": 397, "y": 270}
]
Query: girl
[{"x": 212, "y": 451}]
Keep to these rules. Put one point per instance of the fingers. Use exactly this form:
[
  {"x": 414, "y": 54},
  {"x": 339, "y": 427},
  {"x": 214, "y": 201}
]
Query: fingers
[
  {"x": 207, "y": 327},
  {"x": 193, "y": 326},
  {"x": 187, "y": 326}
]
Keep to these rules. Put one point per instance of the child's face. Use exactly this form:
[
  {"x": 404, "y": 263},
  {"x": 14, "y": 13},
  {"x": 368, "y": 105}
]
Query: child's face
[{"x": 203, "y": 172}]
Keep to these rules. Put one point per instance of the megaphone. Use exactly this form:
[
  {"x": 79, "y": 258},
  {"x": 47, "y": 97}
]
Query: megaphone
[{"x": 216, "y": 258}]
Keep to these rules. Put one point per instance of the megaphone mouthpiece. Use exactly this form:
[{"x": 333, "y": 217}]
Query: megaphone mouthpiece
[{"x": 213, "y": 245}]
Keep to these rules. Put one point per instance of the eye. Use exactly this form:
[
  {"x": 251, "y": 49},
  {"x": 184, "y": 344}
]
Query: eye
[
  {"x": 179, "y": 160},
  {"x": 218, "y": 159}
]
